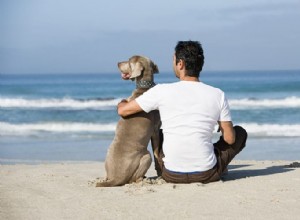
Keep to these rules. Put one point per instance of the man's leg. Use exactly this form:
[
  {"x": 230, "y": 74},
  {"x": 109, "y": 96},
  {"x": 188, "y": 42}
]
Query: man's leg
[{"x": 225, "y": 152}]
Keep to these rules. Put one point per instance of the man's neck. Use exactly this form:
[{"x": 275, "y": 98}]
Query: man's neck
[{"x": 189, "y": 78}]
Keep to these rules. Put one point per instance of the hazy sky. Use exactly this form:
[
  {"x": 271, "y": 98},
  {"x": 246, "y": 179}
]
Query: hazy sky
[{"x": 58, "y": 36}]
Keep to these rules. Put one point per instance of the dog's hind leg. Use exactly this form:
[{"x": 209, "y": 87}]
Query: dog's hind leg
[
  {"x": 142, "y": 169},
  {"x": 156, "y": 143}
]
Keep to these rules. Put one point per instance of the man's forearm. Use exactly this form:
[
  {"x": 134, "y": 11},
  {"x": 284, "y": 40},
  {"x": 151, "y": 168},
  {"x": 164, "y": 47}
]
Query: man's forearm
[
  {"x": 128, "y": 108},
  {"x": 228, "y": 131}
]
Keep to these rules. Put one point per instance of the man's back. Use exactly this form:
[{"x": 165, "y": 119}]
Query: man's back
[{"x": 189, "y": 113}]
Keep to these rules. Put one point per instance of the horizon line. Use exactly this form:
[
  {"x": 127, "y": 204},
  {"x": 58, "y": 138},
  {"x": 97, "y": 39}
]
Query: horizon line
[{"x": 166, "y": 71}]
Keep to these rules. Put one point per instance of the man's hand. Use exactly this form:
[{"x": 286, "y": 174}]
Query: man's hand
[
  {"x": 126, "y": 108},
  {"x": 122, "y": 102}
]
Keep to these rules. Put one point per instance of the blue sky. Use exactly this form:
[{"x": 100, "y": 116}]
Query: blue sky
[{"x": 78, "y": 36}]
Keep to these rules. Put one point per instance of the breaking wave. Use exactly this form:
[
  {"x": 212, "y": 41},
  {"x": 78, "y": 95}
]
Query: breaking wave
[
  {"x": 288, "y": 102},
  {"x": 109, "y": 103},
  {"x": 64, "y": 103},
  {"x": 54, "y": 127},
  {"x": 272, "y": 130},
  {"x": 253, "y": 129}
]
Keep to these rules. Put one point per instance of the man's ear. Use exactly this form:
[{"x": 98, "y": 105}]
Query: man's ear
[
  {"x": 181, "y": 64},
  {"x": 137, "y": 69}
]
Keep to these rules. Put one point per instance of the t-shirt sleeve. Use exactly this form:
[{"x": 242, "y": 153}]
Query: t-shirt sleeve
[
  {"x": 148, "y": 101},
  {"x": 225, "y": 110}
]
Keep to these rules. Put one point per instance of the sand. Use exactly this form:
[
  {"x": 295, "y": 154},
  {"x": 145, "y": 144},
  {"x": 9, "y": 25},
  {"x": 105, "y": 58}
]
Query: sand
[{"x": 251, "y": 190}]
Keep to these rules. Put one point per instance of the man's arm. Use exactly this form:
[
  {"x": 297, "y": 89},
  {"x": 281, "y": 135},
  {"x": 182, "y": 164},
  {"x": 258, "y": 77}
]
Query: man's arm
[
  {"x": 126, "y": 108},
  {"x": 227, "y": 131}
]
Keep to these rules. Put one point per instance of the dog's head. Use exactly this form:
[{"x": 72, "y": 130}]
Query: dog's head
[{"x": 137, "y": 67}]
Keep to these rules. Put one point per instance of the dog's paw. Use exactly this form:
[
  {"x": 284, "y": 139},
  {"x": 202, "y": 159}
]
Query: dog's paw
[
  {"x": 95, "y": 182},
  {"x": 107, "y": 183},
  {"x": 157, "y": 180},
  {"x": 99, "y": 184}
]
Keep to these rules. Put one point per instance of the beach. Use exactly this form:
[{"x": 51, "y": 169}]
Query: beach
[
  {"x": 62, "y": 78},
  {"x": 66, "y": 190},
  {"x": 53, "y": 144}
]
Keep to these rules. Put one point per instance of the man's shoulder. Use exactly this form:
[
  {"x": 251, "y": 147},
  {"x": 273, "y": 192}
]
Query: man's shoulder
[
  {"x": 165, "y": 85},
  {"x": 212, "y": 88}
]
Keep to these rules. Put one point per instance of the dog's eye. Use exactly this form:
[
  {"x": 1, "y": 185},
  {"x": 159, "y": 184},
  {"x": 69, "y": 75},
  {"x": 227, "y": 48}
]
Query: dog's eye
[{"x": 131, "y": 65}]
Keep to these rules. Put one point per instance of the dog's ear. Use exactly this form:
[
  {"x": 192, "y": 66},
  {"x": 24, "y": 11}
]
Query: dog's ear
[
  {"x": 137, "y": 69},
  {"x": 155, "y": 68}
]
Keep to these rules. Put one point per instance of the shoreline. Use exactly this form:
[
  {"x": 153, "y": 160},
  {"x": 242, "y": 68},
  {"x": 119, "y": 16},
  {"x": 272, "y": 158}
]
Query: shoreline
[
  {"x": 41, "y": 151},
  {"x": 66, "y": 190}
]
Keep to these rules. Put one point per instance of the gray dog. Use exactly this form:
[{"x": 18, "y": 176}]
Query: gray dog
[{"x": 128, "y": 159}]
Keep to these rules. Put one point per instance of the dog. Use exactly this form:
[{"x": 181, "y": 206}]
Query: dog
[{"x": 128, "y": 159}]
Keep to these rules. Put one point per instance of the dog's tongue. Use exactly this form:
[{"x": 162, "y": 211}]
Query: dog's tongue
[{"x": 125, "y": 75}]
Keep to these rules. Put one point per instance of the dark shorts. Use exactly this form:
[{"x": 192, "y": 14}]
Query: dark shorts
[{"x": 224, "y": 154}]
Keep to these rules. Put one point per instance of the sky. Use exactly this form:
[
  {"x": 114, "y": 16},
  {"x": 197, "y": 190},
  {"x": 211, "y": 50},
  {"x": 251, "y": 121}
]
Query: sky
[{"x": 92, "y": 36}]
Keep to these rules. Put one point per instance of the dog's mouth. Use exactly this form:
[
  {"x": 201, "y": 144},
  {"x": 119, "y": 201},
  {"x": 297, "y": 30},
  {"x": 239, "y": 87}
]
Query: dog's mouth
[{"x": 125, "y": 76}]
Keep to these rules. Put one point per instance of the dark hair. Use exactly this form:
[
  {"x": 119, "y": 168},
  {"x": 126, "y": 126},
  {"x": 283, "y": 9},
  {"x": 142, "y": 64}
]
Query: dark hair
[{"x": 191, "y": 53}]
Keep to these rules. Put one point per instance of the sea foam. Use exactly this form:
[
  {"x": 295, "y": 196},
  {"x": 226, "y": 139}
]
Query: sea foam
[
  {"x": 272, "y": 130},
  {"x": 54, "y": 127},
  {"x": 253, "y": 129},
  {"x": 69, "y": 103},
  {"x": 288, "y": 102},
  {"x": 64, "y": 103}
]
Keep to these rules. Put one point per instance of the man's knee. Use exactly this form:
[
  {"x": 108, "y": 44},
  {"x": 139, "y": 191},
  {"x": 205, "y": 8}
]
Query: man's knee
[
  {"x": 240, "y": 137},
  {"x": 240, "y": 132}
]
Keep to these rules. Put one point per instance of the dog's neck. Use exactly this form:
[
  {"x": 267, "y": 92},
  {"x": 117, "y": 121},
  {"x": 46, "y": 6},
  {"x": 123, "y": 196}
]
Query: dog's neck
[
  {"x": 141, "y": 87},
  {"x": 144, "y": 84}
]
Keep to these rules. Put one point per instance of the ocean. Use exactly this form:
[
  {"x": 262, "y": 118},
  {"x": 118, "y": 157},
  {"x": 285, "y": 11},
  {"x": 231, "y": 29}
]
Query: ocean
[{"x": 72, "y": 117}]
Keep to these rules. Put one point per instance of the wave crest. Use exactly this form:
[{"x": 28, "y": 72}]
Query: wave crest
[
  {"x": 272, "y": 130},
  {"x": 109, "y": 103},
  {"x": 64, "y": 103},
  {"x": 54, "y": 127},
  {"x": 253, "y": 129},
  {"x": 289, "y": 102}
]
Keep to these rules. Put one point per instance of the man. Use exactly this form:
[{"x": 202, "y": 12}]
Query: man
[{"x": 189, "y": 111}]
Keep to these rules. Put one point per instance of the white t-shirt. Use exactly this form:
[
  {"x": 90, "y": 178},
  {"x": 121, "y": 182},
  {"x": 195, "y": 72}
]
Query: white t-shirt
[{"x": 189, "y": 112}]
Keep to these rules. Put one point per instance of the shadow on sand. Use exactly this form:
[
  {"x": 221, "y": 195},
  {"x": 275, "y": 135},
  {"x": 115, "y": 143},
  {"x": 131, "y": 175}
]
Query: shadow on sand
[{"x": 245, "y": 173}]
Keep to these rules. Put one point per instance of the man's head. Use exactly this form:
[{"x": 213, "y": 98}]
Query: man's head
[{"x": 191, "y": 54}]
